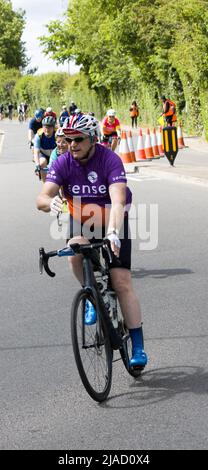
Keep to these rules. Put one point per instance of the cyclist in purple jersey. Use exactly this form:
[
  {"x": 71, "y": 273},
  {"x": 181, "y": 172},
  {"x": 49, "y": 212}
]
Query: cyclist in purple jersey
[{"x": 94, "y": 183}]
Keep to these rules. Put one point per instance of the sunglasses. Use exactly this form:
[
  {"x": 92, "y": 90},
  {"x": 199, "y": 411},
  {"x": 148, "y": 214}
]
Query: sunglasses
[{"x": 75, "y": 139}]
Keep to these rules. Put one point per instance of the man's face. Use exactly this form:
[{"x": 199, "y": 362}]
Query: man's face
[
  {"x": 48, "y": 130},
  {"x": 111, "y": 119},
  {"x": 79, "y": 145}
]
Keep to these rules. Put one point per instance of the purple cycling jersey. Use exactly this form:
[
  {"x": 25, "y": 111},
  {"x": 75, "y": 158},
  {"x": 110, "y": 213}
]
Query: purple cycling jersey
[{"x": 90, "y": 182}]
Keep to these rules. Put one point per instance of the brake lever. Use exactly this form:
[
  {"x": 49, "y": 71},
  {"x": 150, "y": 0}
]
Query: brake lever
[
  {"x": 106, "y": 246},
  {"x": 59, "y": 222},
  {"x": 43, "y": 261}
]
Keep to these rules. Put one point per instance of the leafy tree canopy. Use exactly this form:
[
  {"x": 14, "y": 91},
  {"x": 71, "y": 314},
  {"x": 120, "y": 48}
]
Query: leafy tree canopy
[{"x": 12, "y": 49}]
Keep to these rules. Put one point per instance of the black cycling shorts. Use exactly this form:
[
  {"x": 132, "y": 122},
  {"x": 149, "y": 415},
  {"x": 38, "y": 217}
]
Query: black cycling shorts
[
  {"x": 124, "y": 261},
  {"x": 47, "y": 157},
  {"x": 108, "y": 137}
]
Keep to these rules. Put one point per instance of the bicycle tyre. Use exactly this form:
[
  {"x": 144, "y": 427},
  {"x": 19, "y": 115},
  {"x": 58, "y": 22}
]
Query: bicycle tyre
[{"x": 92, "y": 349}]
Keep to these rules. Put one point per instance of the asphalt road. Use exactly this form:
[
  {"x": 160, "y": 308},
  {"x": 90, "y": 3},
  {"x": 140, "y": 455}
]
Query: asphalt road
[{"x": 43, "y": 404}]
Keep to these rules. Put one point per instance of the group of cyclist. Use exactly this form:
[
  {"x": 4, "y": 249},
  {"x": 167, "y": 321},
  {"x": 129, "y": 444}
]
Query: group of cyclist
[
  {"x": 8, "y": 110},
  {"x": 48, "y": 140}
]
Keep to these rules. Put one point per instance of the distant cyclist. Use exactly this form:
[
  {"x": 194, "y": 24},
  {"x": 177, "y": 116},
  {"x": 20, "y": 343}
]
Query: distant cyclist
[
  {"x": 21, "y": 112},
  {"x": 25, "y": 106},
  {"x": 10, "y": 111},
  {"x": 49, "y": 112},
  {"x": 63, "y": 115},
  {"x": 72, "y": 108},
  {"x": 1, "y": 112},
  {"x": 111, "y": 129},
  {"x": 169, "y": 111},
  {"x": 44, "y": 143}
]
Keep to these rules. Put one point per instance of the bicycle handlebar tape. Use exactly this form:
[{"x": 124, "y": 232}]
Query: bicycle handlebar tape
[
  {"x": 140, "y": 153},
  {"x": 124, "y": 151}
]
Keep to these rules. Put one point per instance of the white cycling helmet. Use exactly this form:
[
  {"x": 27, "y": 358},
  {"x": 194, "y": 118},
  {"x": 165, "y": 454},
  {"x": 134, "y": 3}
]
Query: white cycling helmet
[
  {"x": 60, "y": 132},
  {"x": 49, "y": 109},
  {"x": 111, "y": 112},
  {"x": 82, "y": 124}
]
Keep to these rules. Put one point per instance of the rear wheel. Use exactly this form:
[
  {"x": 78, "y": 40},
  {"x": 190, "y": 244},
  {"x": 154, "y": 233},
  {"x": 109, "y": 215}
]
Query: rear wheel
[{"x": 92, "y": 349}]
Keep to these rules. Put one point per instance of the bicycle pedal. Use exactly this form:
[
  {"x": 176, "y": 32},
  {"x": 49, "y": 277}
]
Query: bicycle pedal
[{"x": 137, "y": 368}]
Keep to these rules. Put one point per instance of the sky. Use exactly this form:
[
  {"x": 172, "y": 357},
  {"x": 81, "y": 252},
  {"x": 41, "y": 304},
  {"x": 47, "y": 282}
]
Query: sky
[{"x": 38, "y": 14}]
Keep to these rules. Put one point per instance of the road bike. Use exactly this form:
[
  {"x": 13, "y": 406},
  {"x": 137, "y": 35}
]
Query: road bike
[
  {"x": 21, "y": 116},
  {"x": 110, "y": 141},
  {"x": 94, "y": 345}
]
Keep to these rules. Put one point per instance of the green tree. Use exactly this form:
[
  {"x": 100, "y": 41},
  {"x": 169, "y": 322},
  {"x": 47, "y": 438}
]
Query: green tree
[
  {"x": 12, "y": 49},
  {"x": 124, "y": 46},
  {"x": 8, "y": 80}
]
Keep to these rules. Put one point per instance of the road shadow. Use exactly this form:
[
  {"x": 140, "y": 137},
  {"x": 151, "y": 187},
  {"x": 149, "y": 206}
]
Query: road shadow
[
  {"x": 161, "y": 384},
  {"x": 160, "y": 273}
]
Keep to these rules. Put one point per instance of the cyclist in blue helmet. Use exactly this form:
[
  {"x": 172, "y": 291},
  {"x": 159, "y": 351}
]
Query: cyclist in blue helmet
[{"x": 35, "y": 124}]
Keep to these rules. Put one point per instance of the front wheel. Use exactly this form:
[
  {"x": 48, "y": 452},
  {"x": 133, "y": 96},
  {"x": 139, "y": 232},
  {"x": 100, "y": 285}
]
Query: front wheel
[{"x": 92, "y": 349}]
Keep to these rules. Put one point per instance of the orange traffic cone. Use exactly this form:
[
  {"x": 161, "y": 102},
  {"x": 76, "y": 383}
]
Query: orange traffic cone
[
  {"x": 181, "y": 144},
  {"x": 160, "y": 141},
  {"x": 140, "y": 153},
  {"x": 155, "y": 148},
  {"x": 131, "y": 146},
  {"x": 124, "y": 151},
  {"x": 148, "y": 146}
]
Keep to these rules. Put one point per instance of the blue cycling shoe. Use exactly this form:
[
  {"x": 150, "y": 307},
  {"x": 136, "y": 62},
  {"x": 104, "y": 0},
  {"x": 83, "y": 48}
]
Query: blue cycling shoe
[
  {"x": 139, "y": 358},
  {"x": 90, "y": 313}
]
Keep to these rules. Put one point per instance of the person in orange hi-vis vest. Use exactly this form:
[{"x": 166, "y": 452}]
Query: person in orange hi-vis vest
[
  {"x": 134, "y": 113},
  {"x": 169, "y": 111}
]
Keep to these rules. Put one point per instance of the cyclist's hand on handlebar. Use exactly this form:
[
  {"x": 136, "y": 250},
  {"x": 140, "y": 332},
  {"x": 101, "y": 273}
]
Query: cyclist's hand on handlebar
[
  {"x": 115, "y": 243},
  {"x": 56, "y": 205}
]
